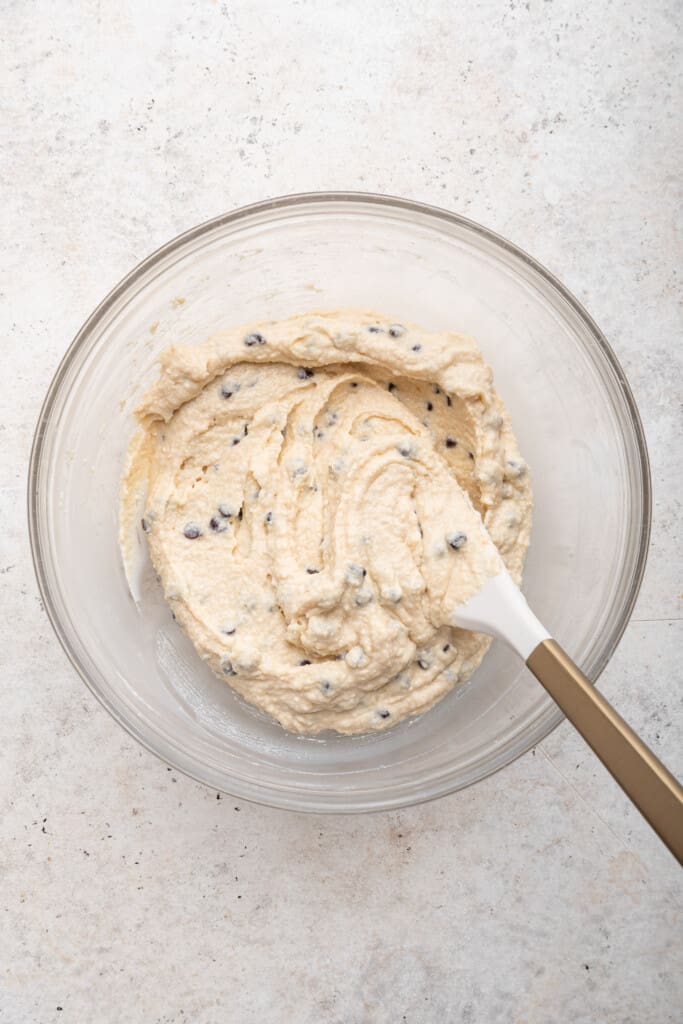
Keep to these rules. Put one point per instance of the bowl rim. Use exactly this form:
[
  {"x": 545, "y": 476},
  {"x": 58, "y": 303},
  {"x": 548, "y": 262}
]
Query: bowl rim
[{"x": 271, "y": 797}]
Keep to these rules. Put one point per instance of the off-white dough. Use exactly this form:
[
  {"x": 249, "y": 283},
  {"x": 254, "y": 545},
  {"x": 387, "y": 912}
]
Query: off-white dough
[{"x": 312, "y": 498}]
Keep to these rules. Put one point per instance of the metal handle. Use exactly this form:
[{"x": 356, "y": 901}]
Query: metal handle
[{"x": 642, "y": 776}]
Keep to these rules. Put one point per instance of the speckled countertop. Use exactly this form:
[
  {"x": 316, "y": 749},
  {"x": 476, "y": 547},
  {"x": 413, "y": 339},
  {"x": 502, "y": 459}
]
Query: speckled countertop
[{"x": 132, "y": 894}]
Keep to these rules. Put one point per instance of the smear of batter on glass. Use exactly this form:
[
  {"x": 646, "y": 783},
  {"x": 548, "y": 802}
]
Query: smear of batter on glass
[{"x": 311, "y": 493}]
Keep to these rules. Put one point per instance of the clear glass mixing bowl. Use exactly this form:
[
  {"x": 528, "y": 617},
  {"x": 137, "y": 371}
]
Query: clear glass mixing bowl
[{"x": 572, "y": 410}]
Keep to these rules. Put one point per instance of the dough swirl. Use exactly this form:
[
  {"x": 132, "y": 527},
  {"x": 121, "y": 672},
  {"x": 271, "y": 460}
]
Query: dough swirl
[{"x": 313, "y": 491}]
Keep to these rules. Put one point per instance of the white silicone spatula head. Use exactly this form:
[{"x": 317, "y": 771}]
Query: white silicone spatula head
[{"x": 500, "y": 609}]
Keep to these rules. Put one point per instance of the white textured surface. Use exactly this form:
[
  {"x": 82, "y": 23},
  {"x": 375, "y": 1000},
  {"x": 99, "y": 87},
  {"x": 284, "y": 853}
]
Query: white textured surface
[{"x": 131, "y": 894}]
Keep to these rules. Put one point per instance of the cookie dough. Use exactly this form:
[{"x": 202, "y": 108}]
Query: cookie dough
[{"x": 312, "y": 492}]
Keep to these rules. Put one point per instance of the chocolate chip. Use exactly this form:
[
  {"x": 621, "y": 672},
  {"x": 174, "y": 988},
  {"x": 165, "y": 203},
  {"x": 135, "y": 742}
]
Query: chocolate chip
[
  {"x": 192, "y": 531},
  {"x": 396, "y": 330},
  {"x": 326, "y": 686},
  {"x": 304, "y": 661},
  {"x": 353, "y": 384},
  {"x": 429, "y": 407},
  {"x": 254, "y": 339},
  {"x": 391, "y": 386},
  {"x": 374, "y": 329},
  {"x": 471, "y": 455},
  {"x": 268, "y": 518},
  {"x": 423, "y": 663},
  {"x": 240, "y": 515},
  {"x": 226, "y": 391},
  {"x": 451, "y": 442},
  {"x": 228, "y": 630},
  {"x": 226, "y": 511},
  {"x": 226, "y": 667},
  {"x": 446, "y": 647},
  {"x": 456, "y": 539},
  {"x": 416, "y": 348},
  {"x": 383, "y": 713},
  {"x": 145, "y": 524},
  {"x": 236, "y": 440},
  {"x": 217, "y": 524},
  {"x": 303, "y": 373},
  {"x": 514, "y": 469},
  {"x": 449, "y": 400},
  {"x": 406, "y": 449},
  {"x": 312, "y": 572}
]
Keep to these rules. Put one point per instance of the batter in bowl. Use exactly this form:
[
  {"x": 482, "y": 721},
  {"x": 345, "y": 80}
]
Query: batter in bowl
[{"x": 312, "y": 495}]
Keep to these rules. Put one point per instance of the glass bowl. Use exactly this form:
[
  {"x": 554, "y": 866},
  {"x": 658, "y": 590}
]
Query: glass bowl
[{"x": 572, "y": 411}]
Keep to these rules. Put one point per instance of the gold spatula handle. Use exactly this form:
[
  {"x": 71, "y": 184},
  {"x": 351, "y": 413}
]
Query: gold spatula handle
[{"x": 653, "y": 789}]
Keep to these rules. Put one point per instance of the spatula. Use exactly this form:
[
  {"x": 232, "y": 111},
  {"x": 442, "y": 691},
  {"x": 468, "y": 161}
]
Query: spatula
[{"x": 500, "y": 609}]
